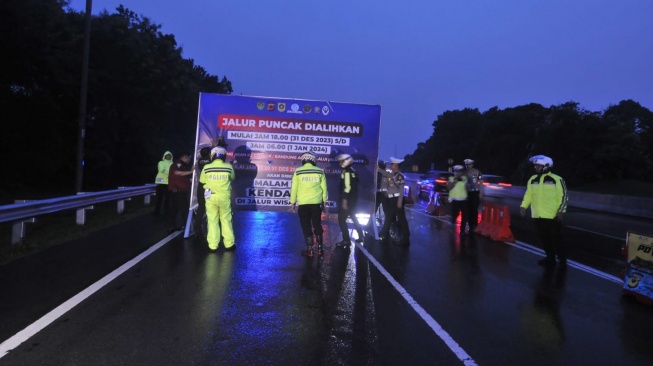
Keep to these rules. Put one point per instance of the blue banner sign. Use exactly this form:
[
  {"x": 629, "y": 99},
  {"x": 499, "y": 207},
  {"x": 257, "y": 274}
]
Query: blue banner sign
[{"x": 265, "y": 137}]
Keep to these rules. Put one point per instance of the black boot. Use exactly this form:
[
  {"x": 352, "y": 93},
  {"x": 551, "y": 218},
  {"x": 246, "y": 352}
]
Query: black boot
[
  {"x": 320, "y": 249},
  {"x": 309, "y": 247},
  {"x": 344, "y": 243}
]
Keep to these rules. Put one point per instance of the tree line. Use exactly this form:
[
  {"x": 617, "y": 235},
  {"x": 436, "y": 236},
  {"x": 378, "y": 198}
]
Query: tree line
[
  {"x": 142, "y": 98},
  {"x": 586, "y": 146}
]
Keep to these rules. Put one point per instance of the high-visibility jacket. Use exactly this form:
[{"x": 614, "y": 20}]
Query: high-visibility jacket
[
  {"x": 163, "y": 169},
  {"x": 348, "y": 184},
  {"x": 546, "y": 194},
  {"x": 217, "y": 176},
  {"x": 308, "y": 185},
  {"x": 459, "y": 190}
]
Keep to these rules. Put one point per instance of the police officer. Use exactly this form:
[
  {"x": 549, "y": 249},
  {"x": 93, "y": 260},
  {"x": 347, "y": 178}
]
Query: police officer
[
  {"x": 546, "y": 194},
  {"x": 161, "y": 180},
  {"x": 474, "y": 193},
  {"x": 178, "y": 188},
  {"x": 348, "y": 200},
  {"x": 309, "y": 191},
  {"x": 457, "y": 187},
  {"x": 217, "y": 177},
  {"x": 395, "y": 201},
  {"x": 381, "y": 189}
]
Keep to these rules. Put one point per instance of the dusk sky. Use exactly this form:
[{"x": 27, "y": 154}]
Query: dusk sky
[{"x": 417, "y": 58}]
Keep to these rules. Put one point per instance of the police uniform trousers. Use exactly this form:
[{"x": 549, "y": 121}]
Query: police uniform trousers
[
  {"x": 395, "y": 214},
  {"x": 459, "y": 207},
  {"x": 178, "y": 208},
  {"x": 550, "y": 232},
  {"x": 310, "y": 218},
  {"x": 473, "y": 200},
  {"x": 219, "y": 220},
  {"x": 342, "y": 220},
  {"x": 200, "y": 220},
  {"x": 162, "y": 198}
]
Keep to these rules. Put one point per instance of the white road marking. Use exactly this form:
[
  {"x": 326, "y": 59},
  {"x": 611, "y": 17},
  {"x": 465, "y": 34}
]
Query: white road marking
[
  {"x": 450, "y": 342},
  {"x": 60, "y": 310},
  {"x": 596, "y": 233},
  {"x": 537, "y": 251}
]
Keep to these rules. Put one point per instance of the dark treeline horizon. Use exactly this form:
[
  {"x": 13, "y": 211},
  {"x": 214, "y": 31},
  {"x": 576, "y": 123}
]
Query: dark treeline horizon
[
  {"x": 143, "y": 95},
  {"x": 586, "y": 146},
  {"x": 142, "y": 98}
]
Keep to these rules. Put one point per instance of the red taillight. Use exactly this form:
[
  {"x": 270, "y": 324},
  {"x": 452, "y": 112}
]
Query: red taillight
[
  {"x": 505, "y": 184},
  {"x": 486, "y": 183},
  {"x": 441, "y": 181}
]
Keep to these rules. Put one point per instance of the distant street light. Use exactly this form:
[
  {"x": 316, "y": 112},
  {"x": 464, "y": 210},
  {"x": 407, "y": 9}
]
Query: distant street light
[{"x": 79, "y": 166}]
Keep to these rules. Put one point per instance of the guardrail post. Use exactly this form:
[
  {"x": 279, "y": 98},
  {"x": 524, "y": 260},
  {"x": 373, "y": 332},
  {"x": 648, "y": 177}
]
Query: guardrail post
[
  {"x": 18, "y": 228},
  {"x": 81, "y": 212},
  {"x": 147, "y": 199},
  {"x": 121, "y": 203}
]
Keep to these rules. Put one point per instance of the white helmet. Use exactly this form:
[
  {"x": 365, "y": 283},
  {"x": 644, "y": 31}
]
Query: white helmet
[
  {"x": 219, "y": 152},
  {"x": 468, "y": 161},
  {"x": 458, "y": 168},
  {"x": 542, "y": 160},
  {"x": 345, "y": 160},
  {"x": 308, "y": 157}
]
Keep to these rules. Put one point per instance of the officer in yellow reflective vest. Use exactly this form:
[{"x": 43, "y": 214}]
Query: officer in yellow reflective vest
[
  {"x": 546, "y": 194},
  {"x": 309, "y": 190},
  {"x": 163, "y": 171},
  {"x": 457, "y": 187},
  {"x": 216, "y": 178}
]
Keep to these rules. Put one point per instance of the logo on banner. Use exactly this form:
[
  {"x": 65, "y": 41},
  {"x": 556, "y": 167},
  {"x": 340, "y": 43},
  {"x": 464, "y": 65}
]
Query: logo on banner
[
  {"x": 307, "y": 108},
  {"x": 270, "y": 107},
  {"x": 325, "y": 110},
  {"x": 260, "y": 105},
  {"x": 281, "y": 107},
  {"x": 294, "y": 108},
  {"x": 317, "y": 110}
]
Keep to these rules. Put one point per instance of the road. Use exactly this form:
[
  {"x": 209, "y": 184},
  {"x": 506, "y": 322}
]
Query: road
[{"x": 445, "y": 300}]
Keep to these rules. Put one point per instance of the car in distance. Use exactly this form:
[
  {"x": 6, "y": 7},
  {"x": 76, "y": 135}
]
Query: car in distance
[
  {"x": 495, "y": 183},
  {"x": 433, "y": 181}
]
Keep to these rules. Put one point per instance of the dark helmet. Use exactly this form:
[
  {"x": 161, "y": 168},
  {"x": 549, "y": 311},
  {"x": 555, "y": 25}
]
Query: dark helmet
[{"x": 205, "y": 152}]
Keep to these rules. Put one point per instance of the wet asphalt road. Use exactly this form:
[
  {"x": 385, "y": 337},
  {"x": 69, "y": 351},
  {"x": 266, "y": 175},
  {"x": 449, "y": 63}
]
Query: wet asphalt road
[{"x": 266, "y": 305}]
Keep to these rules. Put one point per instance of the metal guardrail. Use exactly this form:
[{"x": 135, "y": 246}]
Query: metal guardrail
[{"x": 26, "y": 212}]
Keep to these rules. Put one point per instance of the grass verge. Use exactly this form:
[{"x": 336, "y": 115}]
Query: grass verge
[{"x": 57, "y": 228}]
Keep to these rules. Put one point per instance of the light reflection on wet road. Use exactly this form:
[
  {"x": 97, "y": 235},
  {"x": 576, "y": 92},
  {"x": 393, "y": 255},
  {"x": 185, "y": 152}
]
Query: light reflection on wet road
[{"x": 265, "y": 304}]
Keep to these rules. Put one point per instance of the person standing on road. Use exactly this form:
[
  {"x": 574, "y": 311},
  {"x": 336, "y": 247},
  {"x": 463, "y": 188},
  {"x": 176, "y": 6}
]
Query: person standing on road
[
  {"x": 163, "y": 170},
  {"x": 178, "y": 188},
  {"x": 546, "y": 194},
  {"x": 381, "y": 194},
  {"x": 474, "y": 193},
  {"x": 457, "y": 187},
  {"x": 200, "y": 219},
  {"x": 395, "y": 202},
  {"x": 309, "y": 191},
  {"x": 217, "y": 177},
  {"x": 348, "y": 201}
]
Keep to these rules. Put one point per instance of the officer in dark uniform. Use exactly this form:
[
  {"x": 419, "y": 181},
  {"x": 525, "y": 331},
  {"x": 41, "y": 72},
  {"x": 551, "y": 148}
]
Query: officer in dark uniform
[
  {"x": 200, "y": 214},
  {"x": 395, "y": 202}
]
